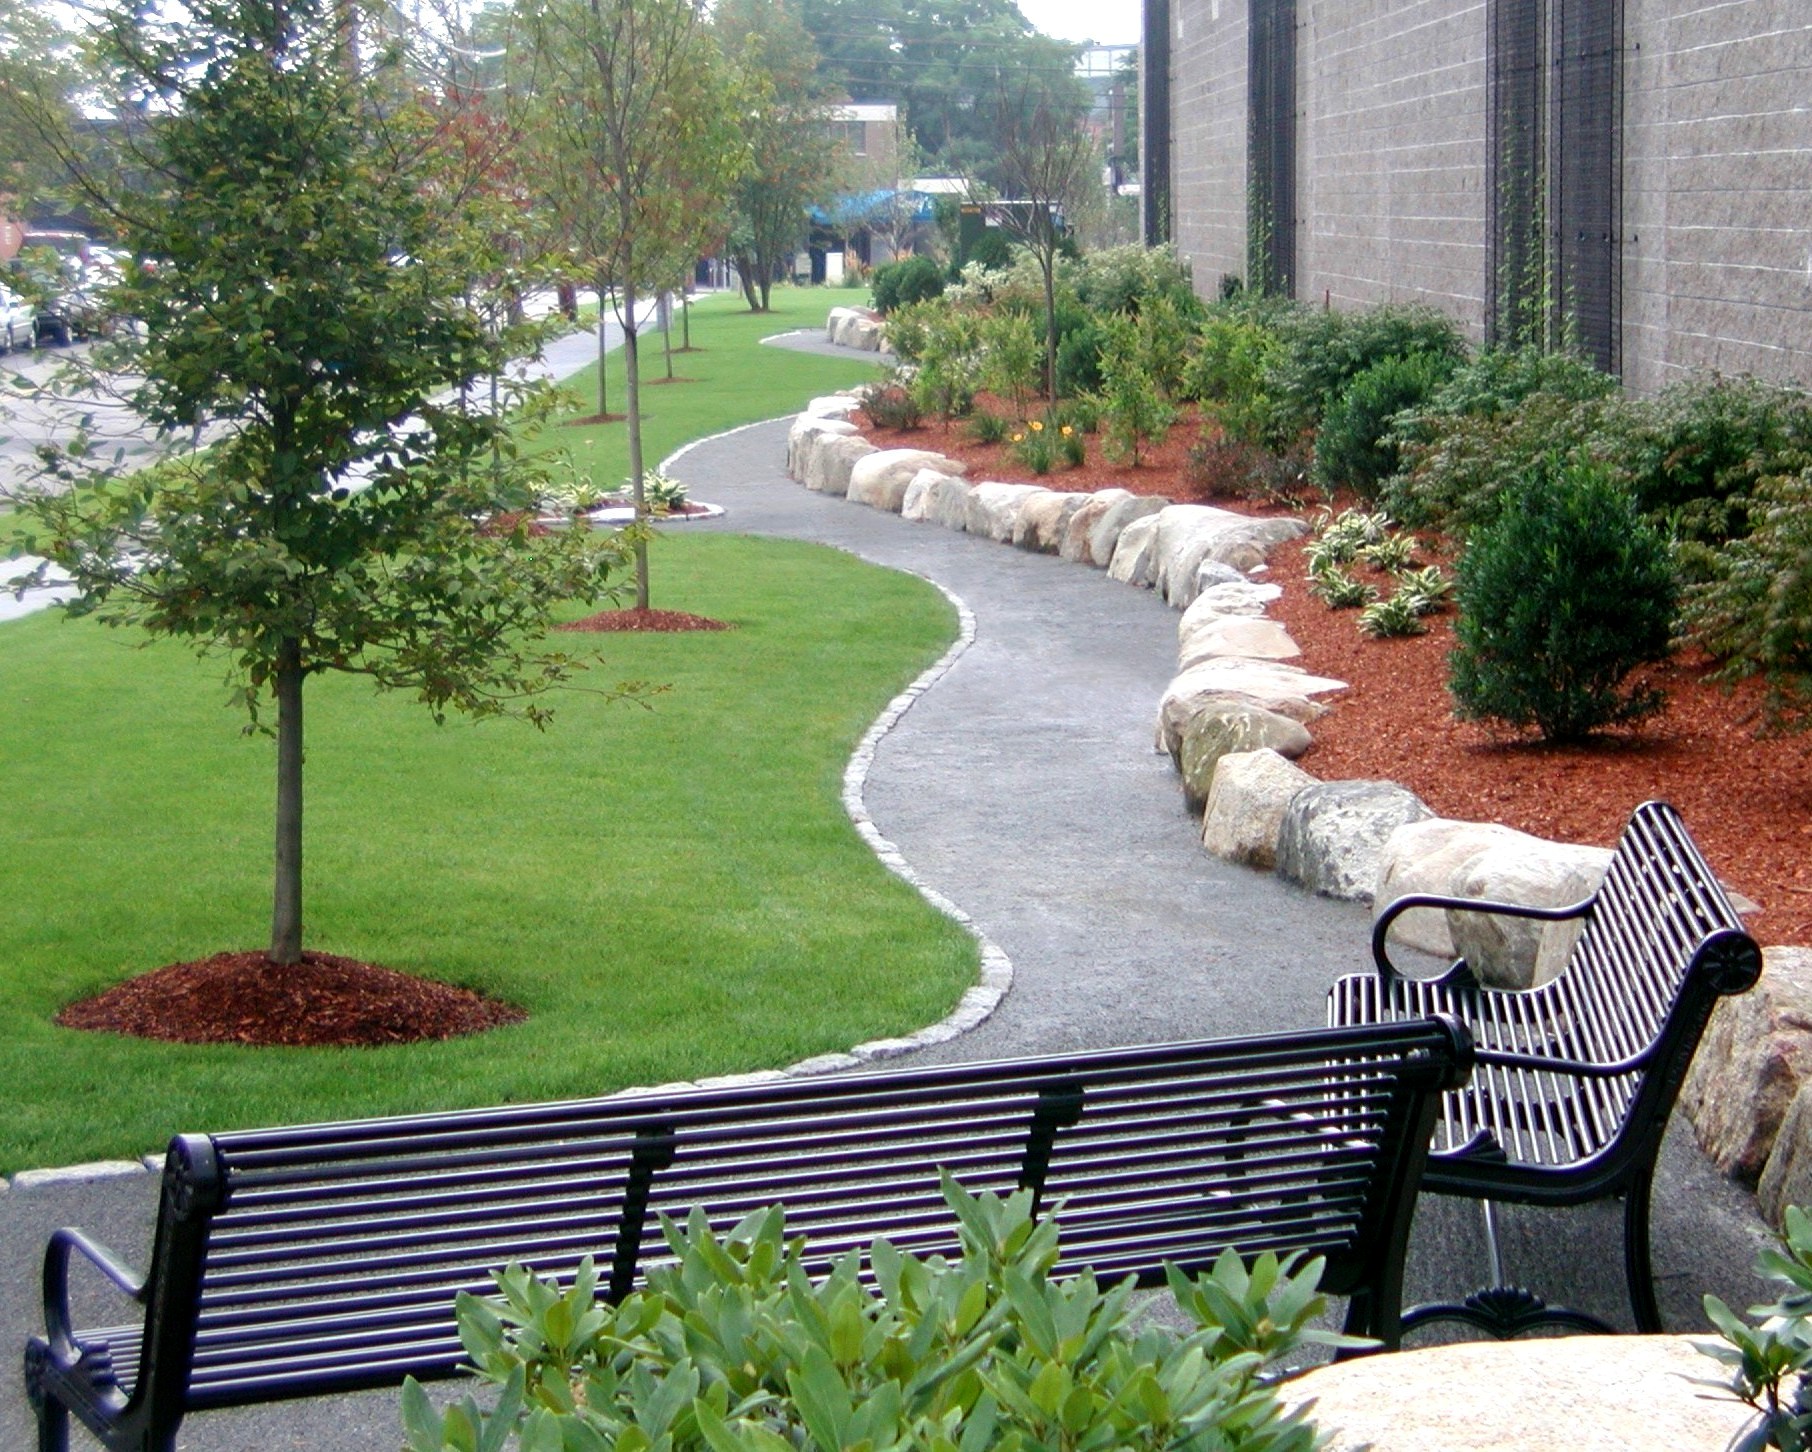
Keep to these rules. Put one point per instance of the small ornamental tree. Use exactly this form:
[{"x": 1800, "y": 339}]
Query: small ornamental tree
[
  {"x": 291, "y": 290},
  {"x": 1559, "y": 600}
]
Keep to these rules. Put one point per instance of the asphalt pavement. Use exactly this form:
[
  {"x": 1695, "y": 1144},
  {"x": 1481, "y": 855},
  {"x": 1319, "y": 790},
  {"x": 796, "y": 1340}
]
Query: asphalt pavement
[{"x": 1023, "y": 786}]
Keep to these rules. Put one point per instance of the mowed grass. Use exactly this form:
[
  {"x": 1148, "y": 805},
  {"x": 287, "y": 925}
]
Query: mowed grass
[
  {"x": 731, "y": 379},
  {"x": 670, "y": 891}
]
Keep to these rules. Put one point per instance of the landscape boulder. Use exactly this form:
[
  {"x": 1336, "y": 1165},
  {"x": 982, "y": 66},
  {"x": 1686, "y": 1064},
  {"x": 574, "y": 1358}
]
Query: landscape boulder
[
  {"x": 1079, "y": 532},
  {"x": 1506, "y": 952},
  {"x": 1231, "y": 726},
  {"x": 854, "y": 328},
  {"x": 994, "y": 508},
  {"x": 1183, "y": 531},
  {"x": 948, "y": 503},
  {"x": 833, "y": 405},
  {"x": 1192, "y": 535},
  {"x": 919, "y": 502},
  {"x": 1753, "y": 1061},
  {"x": 1245, "y": 808},
  {"x": 1286, "y": 689},
  {"x": 1432, "y": 856},
  {"x": 1043, "y": 519},
  {"x": 1787, "y": 1176},
  {"x": 828, "y": 469},
  {"x": 804, "y": 438},
  {"x": 1333, "y": 835},
  {"x": 1134, "y": 551},
  {"x": 1104, "y": 536},
  {"x": 1214, "y": 636},
  {"x": 879, "y": 479}
]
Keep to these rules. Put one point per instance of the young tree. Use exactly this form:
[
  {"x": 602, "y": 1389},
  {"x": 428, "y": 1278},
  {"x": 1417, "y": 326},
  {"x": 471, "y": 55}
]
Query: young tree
[
  {"x": 290, "y": 288},
  {"x": 635, "y": 114},
  {"x": 792, "y": 152},
  {"x": 1048, "y": 165}
]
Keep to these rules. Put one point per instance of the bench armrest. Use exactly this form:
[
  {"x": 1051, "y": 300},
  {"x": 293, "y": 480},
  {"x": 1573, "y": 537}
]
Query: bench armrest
[
  {"x": 1389, "y": 971},
  {"x": 56, "y": 1281}
]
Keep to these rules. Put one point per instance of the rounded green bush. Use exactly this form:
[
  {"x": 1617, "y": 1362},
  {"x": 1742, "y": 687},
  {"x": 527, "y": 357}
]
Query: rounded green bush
[
  {"x": 910, "y": 280},
  {"x": 1559, "y": 600},
  {"x": 1354, "y": 447}
]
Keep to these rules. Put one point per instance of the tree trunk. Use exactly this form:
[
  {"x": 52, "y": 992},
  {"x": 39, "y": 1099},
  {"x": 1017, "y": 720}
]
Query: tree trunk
[
  {"x": 665, "y": 305},
  {"x": 286, "y": 896},
  {"x": 1049, "y": 259},
  {"x": 685, "y": 314},
  {"x": 603, "y": 346},
  {"x": 633, "y": 386},
  {"x": 745, "y": 274}
]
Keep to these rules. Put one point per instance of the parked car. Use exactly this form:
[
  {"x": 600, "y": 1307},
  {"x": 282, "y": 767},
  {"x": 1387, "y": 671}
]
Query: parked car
[{"x": 18, "y": 320}]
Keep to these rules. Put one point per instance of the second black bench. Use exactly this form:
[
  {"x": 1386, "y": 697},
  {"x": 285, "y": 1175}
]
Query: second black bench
[{"x": 326, "y": 1258}]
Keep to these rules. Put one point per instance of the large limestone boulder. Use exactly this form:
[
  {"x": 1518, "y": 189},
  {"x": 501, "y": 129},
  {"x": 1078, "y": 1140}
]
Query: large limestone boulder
[
  {"x": 829, "y": 468},
  {"x": 1333, "y": 835},
  {"x": 1755, "y": 1058},
  {"x": 1135, "y": 552},
  {"x": 879, "y": 479},
  {"x": 1506, "y": 952},
  {"x": 948, "y": 503},
  {"x": 1104, "y": 537},
  {"x": 994, "y": 508},
  {"x": 854, "y": 328},
  {"x": 1787, "y": 1176},
  {"x": 1286, "y": 689},
  {"x": 1043, "y": 520},
  {"x": 1215, "y": 636},
  {"x": 1227, "y": 727},
  {"x": 1193, "y": 535},
  {"x": 833, "y": 405},
  {"x": 1432, "y": 856},
  {"x": 1246, "y": 803},
  {"x": 921, "y": 491},
  {"x": 1239, "y": 596},
  {"x": 1183, "y": 530},
  {"x": 1079, "y": 532},
  {"x": 1581, "y": 1393},
  {"x": 804, "y": 438}
]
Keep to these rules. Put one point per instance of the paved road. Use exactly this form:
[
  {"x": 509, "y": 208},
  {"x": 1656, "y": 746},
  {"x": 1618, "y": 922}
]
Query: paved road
[{"x": 1024, "y": 787}]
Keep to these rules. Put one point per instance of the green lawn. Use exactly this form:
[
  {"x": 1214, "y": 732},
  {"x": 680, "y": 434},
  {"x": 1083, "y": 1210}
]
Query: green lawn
[
  {"x": 731, "y": 380},
  {"x": 670, "y": 892}
]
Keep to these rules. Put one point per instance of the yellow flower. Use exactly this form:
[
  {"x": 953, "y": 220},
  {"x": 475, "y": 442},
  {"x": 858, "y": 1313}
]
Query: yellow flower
[
  {"x": 1037, "y": 427},
  {"x": 1019, "y": 438},
  {"x": 1067, "y": 431}
]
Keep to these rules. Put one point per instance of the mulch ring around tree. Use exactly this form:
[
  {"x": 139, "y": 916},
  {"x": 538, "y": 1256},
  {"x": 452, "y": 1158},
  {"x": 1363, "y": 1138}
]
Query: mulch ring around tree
[
  {"x": 649, "y": 620},
  {"x": 323, "y": 1001}
]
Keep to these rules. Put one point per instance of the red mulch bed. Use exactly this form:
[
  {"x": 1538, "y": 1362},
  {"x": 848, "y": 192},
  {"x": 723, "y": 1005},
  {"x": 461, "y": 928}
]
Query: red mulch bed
[
  {"x": 651, "y": 620},
  {"x": 325, "y": 1000},
  {"x": 1748, "y": 800}
]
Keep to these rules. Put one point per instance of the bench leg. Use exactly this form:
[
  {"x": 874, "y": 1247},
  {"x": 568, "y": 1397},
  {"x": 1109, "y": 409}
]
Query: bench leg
[
  {"x": 53, "y": 1427},
  {"x": 1637, "y": 1266}
]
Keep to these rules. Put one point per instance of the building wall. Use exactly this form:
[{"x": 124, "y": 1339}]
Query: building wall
[
  {"x": 1391, "y": 154},
  {"x": 1716, "y": 265},
  {"x": 1208, "y": 137},
  {"x": 1717, "y": 189}
]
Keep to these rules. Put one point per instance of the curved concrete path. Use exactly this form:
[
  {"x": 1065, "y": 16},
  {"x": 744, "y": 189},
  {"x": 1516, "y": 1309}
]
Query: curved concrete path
[{"x": 1023, "y": 786}]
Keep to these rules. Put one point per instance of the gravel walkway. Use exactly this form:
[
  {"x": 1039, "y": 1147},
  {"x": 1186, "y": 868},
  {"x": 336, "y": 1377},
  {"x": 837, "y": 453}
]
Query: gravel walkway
[{"x": 1023, "y": 787}]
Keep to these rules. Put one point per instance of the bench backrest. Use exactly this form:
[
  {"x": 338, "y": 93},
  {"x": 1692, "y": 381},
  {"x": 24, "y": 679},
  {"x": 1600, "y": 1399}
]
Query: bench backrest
[
  {"x": 327, "y": 1257},
  {"x": 1659, "y": 945}
]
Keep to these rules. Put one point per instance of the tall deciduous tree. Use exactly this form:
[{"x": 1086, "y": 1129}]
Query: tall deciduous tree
[
  {"x": 635, "y": 118},
  {"x": 291, "y": 288},
  {"x": 792, "y": 150}
]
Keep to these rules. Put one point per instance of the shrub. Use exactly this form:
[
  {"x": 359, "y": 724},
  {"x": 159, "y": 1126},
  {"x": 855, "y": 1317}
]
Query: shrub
[
  {"x": 891, "y": 405},
  {"x": 1035, "y": 446},
  {"x": 1397, "y": 616},
  {"x": 1338, "y": 590},
  {"x": 988, "y": 428},
  {"x": 1218, "y": 467},
  {"x": 1071, "y": 445},
  {"x": 910, "y": 280},
  {"x": 1324, "y": 349},
  {"x": 1125, "y": 279},
  {"x": 1771, "y": 1363},
  {"x": 1354, "y": 446},
  {"x": 1132, "y": 411},
  {"x": 1081, "y": 414},
  {"x": 1079, "y": 343},
  {"x": 737, "y": 1346},
  {"x": 993, "y": 250},
  {"x": 1235, "y": 353},
  {"x": 948, "y": 358},
  {"x": 1012, "y": 355},
  {"x": 1559, "y": 600},
  {"x": 1425, "y": 590},
  {"x": 1752, "y": 609}
]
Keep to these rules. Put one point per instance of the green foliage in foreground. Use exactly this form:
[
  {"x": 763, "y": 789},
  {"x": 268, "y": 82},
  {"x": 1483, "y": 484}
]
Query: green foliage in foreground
[
  {"x": 670, "y": 892},
  {"x": 735, "y": 1348},
  {"x": 1771, "y": 1362}
]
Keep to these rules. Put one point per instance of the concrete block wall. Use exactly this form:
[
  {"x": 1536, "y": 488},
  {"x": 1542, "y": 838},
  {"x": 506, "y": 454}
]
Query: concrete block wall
[
  {"x": 1717, "y": 189},
  {"x": 1391, "y": 155},
  {"x": 1208, "y": 141},
  {"x": 1392, "y": 204}
]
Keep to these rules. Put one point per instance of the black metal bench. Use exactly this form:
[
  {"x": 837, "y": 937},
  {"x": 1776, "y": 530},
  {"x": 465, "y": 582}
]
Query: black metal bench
[
  {"x": 1576, "y": 1078},
  {"x": 325, "y": 1258}
]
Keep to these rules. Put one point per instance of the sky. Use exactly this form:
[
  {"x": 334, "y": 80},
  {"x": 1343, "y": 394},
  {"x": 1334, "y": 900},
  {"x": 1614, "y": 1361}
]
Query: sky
[{"x": 1106, "y": 22}]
